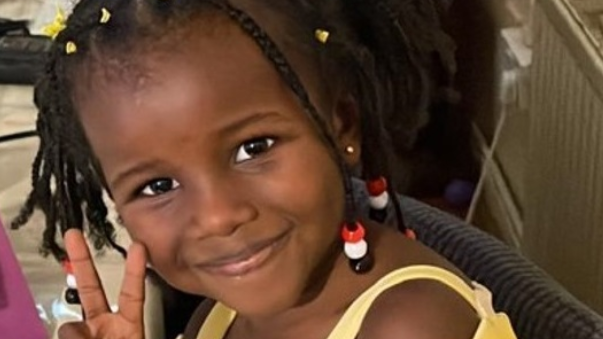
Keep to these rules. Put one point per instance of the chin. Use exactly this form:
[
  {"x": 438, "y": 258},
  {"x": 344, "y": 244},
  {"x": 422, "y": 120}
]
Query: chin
[{"x": 265, "y": 301}]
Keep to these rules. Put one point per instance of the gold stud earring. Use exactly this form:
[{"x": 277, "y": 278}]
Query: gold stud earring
[{"x": 350, "y": 149}]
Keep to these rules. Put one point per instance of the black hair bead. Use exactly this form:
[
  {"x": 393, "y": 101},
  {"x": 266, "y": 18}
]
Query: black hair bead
[{"x": 362, "y": 265}]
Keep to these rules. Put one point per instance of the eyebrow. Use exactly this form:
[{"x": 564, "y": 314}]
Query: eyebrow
[
  {"x": 254, "y": 118},
  {"x": 137, "y": 168}
]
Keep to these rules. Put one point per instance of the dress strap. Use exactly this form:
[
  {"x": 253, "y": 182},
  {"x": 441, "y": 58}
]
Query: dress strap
[{"x": 217, "y": 323}]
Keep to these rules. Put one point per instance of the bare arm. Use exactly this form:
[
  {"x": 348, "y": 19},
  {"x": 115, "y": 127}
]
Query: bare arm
[{"x": 420, "y": 310}]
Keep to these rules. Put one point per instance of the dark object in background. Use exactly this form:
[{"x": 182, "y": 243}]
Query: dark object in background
[
  {"x": 22, "y": 55},
  {"x": 178, "y": 306},
  {"x": 22, "y": 58},
  {"x": 72, "y": 296},
  {"x": 17, "y": 136},
  {"x": 13, "y": 27}
]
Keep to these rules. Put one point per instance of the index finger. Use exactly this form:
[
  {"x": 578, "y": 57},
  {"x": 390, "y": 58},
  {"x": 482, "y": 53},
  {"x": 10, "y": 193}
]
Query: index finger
[{"x": 90, "y": 289}]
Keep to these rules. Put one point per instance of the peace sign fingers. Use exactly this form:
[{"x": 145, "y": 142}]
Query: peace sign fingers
[
  {"x": 90, "y": 289},
  {"x": 100, "y": 322}
]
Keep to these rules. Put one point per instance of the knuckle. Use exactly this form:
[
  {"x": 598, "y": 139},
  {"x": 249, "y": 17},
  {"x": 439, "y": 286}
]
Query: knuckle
[
  {"x": 130, "y": 296},
  {"x": 88, "y": 289}
]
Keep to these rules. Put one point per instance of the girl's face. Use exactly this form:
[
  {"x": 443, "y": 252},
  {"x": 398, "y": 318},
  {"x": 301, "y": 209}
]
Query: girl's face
[{"x": 216, "y": 169}]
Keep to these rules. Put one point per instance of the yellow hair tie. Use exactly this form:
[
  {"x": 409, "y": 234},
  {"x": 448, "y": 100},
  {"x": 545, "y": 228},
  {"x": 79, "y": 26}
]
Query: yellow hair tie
[
  {"x": 322, "y": 35},
  {"x": 70, "y": 47},
  {"x": 105, "y": 15},
  {"x": 56, "y": 26}
]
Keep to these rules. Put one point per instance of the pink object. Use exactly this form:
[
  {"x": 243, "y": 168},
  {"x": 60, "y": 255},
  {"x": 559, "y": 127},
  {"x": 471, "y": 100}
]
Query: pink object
[{"x": 18, "y": 314}]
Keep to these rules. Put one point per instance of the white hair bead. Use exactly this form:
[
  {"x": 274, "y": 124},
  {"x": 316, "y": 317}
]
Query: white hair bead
[
  {"x": 379, "y": 202},
  {"x": 355, "y": 250},
  {"x": 71, "y": 283}
]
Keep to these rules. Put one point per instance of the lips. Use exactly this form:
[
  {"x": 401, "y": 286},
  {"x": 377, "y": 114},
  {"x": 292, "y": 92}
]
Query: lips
[{"x": 246, "y": 260}]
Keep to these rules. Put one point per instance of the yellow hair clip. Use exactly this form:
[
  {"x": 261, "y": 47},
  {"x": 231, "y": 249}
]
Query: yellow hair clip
[
  {"x": 105, "y": 15},
  {"x": 56, "y": 26},
  {"x": 70, "y": 47},
  {"x": 322, "y": 35}
]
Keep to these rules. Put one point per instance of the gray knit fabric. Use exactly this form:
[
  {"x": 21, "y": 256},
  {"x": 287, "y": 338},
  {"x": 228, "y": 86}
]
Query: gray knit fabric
[{"x": 538, "y": 307}]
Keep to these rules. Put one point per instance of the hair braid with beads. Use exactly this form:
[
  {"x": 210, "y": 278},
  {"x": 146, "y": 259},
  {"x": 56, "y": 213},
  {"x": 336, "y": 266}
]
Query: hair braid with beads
[{"x": 383, "y": 50}]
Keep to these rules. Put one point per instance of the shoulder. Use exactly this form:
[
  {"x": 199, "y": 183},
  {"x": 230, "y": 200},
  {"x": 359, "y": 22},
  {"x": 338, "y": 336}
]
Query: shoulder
[
  {"x": 197, "y": 319},
  {"x": 420, "y": 309}
]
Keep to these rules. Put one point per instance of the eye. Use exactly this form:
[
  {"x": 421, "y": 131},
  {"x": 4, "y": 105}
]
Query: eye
[
  {"x": 252, "y": 148},
  {"x": 159, "y": 186}
]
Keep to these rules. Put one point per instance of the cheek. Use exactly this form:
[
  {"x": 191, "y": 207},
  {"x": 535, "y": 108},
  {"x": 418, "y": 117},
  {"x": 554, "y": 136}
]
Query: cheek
[
  {"x": 310, "y": 188},
  {"x": 157, "y": 231}
]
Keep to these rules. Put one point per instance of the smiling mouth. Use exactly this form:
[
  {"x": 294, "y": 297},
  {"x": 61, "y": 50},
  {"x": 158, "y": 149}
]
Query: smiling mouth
[{"x": 242, "y": 263}]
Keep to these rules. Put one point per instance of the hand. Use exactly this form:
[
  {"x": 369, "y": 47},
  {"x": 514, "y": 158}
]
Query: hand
[{"x": 100, "y": 322}]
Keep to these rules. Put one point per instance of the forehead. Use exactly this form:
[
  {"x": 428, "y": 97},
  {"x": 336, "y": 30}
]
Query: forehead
[
  {"x": 211, "y": 41},
  {"x": 186, "y": 56},
  {"x": 136, "y": 64},
  {"x": 206, "y": 80}
]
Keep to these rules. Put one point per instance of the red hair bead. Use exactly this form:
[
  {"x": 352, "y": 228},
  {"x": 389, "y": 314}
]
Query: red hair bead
[
  {"x": 70, "y": 279},
  {"x": 67, "y": 267},
  {"x": 353, "y": 234},
  {"x": 377, "y": 186}
]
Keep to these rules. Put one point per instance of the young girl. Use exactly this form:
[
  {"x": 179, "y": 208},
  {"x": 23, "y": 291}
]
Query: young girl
[{"x": 227, "y": 134}]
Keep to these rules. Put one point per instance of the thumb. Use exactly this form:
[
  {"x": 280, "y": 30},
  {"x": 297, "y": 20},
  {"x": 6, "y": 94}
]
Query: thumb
[{"x": 74, "y": 330}]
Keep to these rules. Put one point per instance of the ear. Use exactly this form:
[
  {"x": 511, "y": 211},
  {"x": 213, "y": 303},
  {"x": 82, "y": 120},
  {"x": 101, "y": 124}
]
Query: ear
[{"x": 345, "y": 121}]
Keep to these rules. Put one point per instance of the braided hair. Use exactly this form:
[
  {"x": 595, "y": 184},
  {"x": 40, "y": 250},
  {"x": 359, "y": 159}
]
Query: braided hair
[{"x": 381, "y": 51}]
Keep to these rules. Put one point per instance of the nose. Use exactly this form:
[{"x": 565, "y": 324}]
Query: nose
[{"x": 219, "y": 208}]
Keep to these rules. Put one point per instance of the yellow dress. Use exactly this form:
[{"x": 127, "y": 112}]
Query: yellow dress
[{"x": 492, "y": 325}]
